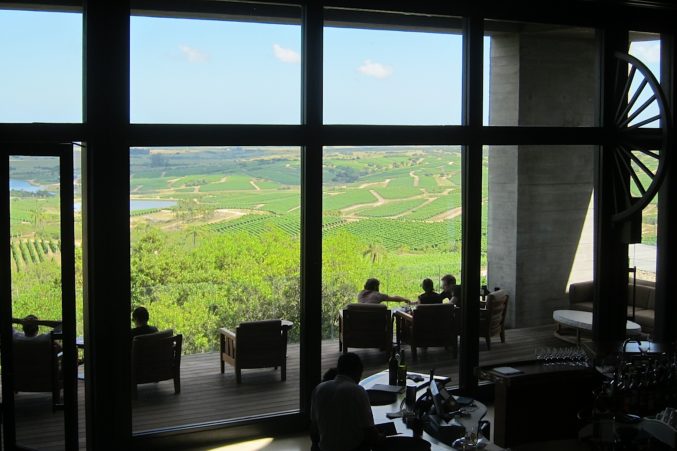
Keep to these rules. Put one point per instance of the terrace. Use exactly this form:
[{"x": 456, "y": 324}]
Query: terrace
[{"x": 207, "y": 395}]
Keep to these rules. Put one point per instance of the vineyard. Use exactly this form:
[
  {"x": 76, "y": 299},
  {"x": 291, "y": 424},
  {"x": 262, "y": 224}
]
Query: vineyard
[
  {"x": 391, "y": 209},
  {"x": 26, "y": 252},
  {"x": 438, "y": 206},
  {"x": 401, "y": 234},
  {"x": 232, "y": 243}
]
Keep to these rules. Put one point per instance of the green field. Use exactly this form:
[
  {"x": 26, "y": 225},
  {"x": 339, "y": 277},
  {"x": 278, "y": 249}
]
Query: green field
[{"x": 229, "y": 250}]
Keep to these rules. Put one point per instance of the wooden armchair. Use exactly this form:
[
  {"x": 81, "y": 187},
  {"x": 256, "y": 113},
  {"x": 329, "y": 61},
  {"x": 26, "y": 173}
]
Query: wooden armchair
[
  {"x": 37, "y": 366},
  {"x": 365, "y": 326},
  {"x": 255, "y": 344},
  {"x": 429, "y": 326},
  {"x": 492, "y": 318},
  {"x": 157, "y": 357}
]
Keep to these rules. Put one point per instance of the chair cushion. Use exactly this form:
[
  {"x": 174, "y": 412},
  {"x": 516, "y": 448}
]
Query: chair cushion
[
  {"x": 366, "y": 306},
  {"x": 644, "y": 295},
  {"x": 583, "y": 306},
  {"x": 580, "y": 292}
]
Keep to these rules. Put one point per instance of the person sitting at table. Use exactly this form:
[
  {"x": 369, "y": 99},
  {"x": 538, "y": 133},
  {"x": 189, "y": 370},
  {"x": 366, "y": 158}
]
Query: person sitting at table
[
  {"x": 371, "y": 295},
  {"x": 30, "y": 326},
  {"x": 429, "y": 296},
  {"x": 141, "y": 317},
  {"x": 449, "y": 290},
  {"x": 340, "y": 414}
]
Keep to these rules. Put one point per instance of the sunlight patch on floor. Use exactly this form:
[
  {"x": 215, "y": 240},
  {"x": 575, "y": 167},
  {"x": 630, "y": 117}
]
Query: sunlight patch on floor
[
  {"x": 288, "y": 443},
  {"x": 251, "y": 445}
]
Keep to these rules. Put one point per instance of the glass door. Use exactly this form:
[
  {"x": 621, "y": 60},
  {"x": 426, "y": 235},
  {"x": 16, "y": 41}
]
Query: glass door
[{"x": 38, "y": 349}]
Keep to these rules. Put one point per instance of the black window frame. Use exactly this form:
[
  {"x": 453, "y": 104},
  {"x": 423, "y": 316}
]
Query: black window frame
[{"x": 108, "y": 134}]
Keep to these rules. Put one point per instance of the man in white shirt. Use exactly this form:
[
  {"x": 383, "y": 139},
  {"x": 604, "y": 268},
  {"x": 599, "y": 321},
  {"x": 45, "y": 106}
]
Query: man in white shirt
[
  {"x": 371, "y": 295},
  {"x": 340, "y": 414}
]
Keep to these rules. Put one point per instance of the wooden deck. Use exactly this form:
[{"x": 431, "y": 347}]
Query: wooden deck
[{"x": 207, "y": 395}]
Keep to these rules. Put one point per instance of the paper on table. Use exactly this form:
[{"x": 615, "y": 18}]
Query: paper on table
[{"x": 507, "y": 370}]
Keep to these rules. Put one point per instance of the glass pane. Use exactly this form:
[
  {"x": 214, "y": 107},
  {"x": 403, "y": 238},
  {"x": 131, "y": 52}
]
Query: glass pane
[
  {"x": 391, "y": 76},
  {"x": 41, "y": 80},
  {"x": 541, "y": 75},
  {"x": 645, "y": 47},
  {"x": 643, "y": 254},
  {"x": 393, "y": 214},
  {"x": 537, "y": 227},
  {"x": 215, "y": 244},
  {"x": 36, "y": 295},
  {"x": 215, "y": 71}
]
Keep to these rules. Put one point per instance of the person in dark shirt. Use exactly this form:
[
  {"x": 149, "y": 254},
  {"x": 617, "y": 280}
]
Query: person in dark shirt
[
  {"x": 429, "y": 296},
  {"x": 449, "y": 290},
  {"x": 340, "y": 415},
  {"x": 140, "y": 317},
  {"x": 30, "y": 326}
]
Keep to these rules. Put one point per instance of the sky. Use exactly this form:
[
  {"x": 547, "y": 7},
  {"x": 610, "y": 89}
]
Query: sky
[{"x": 205, "y": 71}]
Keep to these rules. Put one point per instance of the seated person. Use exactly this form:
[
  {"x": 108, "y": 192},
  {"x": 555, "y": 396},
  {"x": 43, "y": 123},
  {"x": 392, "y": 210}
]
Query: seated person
[
  {"x": 428, "y": 296},
  {"x": 340, "y": 414},
  {"x": 371, "y": 295},
  {"x": 141, "y": 317},
  {"x": 449, "y": 290},
  {"x": 30, "y": 326}
]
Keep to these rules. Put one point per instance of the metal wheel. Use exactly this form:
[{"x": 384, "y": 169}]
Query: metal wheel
[{"x": 642, "y": 143}]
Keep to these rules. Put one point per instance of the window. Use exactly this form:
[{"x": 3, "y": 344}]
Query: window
[
  {"x": 390, "y": 213},
  {"x": 215, "y": 243},
  {"x": 214, "y": 72},
  {"x": 41, "y": 80},
  {"x": 390, "y": 76}
]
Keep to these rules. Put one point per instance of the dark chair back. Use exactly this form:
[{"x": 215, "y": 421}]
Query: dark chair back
[
  {"x": 156, "y": 357},
  {"x": 367, "y": 326},
  {"x": 434, "y": 325},
  {"x": 492, "y": 318},
  {"x": 260, "y": 344},
  {"x": 36, "y": 364},
  {"x": 497, "y": 306}
]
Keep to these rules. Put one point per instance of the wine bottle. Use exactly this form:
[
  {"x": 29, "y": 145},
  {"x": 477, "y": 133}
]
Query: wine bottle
[
  {"x": 393, "y": 367},
  {"x": 402, "y": 371}
]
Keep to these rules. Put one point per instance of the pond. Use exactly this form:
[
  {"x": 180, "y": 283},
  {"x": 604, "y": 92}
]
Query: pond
[
  {"x": 23, "y": 185},
  {"x": 139, "y": 204}
]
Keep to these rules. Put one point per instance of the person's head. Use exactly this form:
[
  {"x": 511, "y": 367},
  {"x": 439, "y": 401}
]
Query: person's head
[
  {"x": 427, "y": 285},
  {"x": 30, "y": 327},
  {"x": 448, "y": 282},
  {"x": 329, "y": 375},
  {"x": 372, "y": 284},
  {"x": 140, "y": 316},
  {"x": 350, "y": 365}
]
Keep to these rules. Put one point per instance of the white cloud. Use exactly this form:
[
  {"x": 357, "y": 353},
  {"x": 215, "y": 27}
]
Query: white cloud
[
  {"x": 286, "y": 55},
  {"x": 647, "y": 51},
  {"x": 193, "y": 55},
  {"x": 376, "y": 70}
]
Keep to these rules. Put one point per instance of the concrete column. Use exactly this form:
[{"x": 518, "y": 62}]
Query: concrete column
[{"x": 540, "y": 196}]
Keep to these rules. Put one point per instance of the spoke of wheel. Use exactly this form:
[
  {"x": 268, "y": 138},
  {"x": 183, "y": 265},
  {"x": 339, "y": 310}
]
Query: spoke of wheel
[
  {"x": 624, "y": 179},
  {"x": 626, "y": 89},
  {"x": 638, "y": 162},
  {"x": 634, "y": 98},
  {"x": 646, "y": 152},
  {"x": 638, "y": 111},
  {"x": 646, "y": 121},
  {"x": 638, "y": 183}
]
